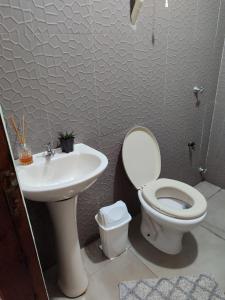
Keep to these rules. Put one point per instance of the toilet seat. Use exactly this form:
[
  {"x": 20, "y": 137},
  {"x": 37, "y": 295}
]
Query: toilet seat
[
  {"x": 177, "y": 190},
  {"x": 141, "y": 156},
  {"x": 142, "y": 162}
]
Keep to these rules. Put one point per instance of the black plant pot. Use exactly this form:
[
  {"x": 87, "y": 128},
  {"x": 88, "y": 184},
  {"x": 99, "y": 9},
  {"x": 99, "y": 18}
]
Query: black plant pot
[{"x": 67, "y": 145}]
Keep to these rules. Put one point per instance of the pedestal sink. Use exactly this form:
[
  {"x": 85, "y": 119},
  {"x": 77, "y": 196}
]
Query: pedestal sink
[{"x": 58, "y": 181}]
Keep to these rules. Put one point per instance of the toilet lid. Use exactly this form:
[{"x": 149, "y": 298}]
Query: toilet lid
[
  {"x": 168, "y": 188},
  {"x": 141, "y": 156}
]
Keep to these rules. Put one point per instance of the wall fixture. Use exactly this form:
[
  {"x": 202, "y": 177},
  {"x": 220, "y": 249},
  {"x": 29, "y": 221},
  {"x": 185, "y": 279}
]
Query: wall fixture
[
  {"x": 191, "y": 146},
  {"x": 198, "y": 90},
  {"x": 136, "y": 10},
  {"x": 202, "y": 172}
]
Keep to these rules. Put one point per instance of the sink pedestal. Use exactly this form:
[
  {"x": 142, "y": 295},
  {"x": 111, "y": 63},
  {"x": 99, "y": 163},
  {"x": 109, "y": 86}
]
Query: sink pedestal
[
  {"x": 64, "y": 176},
  {"x": 72, "y": 278}
]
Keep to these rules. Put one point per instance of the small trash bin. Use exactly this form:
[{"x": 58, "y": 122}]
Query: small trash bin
[{"x": 113, "y": 222}]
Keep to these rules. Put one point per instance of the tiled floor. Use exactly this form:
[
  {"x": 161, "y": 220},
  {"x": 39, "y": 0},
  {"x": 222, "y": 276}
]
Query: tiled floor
[{"x": 203, "y": 251}]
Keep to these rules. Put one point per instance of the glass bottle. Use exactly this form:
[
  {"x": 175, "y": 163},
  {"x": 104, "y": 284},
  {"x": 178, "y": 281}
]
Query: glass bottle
[{"x": 25, "y": 154}]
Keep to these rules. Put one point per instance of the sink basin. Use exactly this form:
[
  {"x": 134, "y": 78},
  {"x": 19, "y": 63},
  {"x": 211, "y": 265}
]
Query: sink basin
[
  {"x": 58, "y": 181},
  {"x": 62, "y": 176}
]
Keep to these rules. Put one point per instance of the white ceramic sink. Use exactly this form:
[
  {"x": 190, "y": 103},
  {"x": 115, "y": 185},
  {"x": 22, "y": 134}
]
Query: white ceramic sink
[
  {"x": 62, "y": 176},
  {"x": 58, "y": 180}
]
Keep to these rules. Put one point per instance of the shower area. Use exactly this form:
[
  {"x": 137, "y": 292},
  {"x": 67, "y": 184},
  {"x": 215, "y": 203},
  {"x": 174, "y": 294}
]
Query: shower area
[{"x": 215, "y": 160}]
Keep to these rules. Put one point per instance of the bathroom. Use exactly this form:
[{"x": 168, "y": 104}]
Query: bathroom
[{"x": 87, "y": 67}]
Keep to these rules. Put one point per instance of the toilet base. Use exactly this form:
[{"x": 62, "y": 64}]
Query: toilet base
[{"x": 163, "y": 238}]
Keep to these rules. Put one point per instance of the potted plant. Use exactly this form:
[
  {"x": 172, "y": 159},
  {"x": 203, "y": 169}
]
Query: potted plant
[{"x": 66, "y": 141}]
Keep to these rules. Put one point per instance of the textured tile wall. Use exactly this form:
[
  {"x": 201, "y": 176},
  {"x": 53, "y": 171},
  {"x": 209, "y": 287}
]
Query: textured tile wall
[
  {"x": 80, "y": 65},
  {"x": 216, "y": 151}
]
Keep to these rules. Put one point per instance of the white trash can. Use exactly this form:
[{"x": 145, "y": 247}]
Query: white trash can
[{"x": 113, "y": 222}]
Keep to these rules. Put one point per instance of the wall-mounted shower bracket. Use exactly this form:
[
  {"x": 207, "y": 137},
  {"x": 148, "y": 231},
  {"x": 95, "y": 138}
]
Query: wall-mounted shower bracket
[
  {"x": 191, "y": 146},
  {"x": 198, "y": 90}
]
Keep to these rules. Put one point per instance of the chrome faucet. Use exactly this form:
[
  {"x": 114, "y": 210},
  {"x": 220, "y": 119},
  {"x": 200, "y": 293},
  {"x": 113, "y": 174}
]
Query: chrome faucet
[{"x": 49, "y": 151}]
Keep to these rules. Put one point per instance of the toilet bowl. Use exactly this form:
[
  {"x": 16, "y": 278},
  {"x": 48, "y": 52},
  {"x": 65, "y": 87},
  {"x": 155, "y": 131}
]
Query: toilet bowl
[{"x": 169, "y": 207}]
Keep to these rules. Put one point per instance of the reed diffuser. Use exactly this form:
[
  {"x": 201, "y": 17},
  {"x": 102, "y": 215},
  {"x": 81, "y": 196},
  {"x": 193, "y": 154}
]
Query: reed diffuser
[{"x": 24, "y": 150}]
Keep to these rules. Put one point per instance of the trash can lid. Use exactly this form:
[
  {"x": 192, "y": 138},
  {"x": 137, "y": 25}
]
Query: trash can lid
[{"x": 113, "y": 215}]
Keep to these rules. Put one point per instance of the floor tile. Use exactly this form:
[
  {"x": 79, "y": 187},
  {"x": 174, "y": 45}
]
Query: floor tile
[
  {"x": 93, "y": 257},
  {"x": 202, "y": 252},
  {"x": 207, "y": 189},
  {"x": 103, "y": 284},
  {"x": 215, "y": 220}
]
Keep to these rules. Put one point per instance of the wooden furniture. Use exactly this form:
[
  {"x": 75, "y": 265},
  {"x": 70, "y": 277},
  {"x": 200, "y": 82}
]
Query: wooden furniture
[{"x": 20, "y": 272}]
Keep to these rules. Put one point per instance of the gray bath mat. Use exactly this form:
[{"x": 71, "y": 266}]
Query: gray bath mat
[{"x": 201, "y": 287}]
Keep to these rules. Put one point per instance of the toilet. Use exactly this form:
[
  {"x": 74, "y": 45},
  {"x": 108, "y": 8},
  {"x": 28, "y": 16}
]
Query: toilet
[{"x": 169, "y": 207}]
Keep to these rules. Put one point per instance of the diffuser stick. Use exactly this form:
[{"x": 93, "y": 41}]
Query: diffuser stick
[{"x": 16, "y": 129}]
